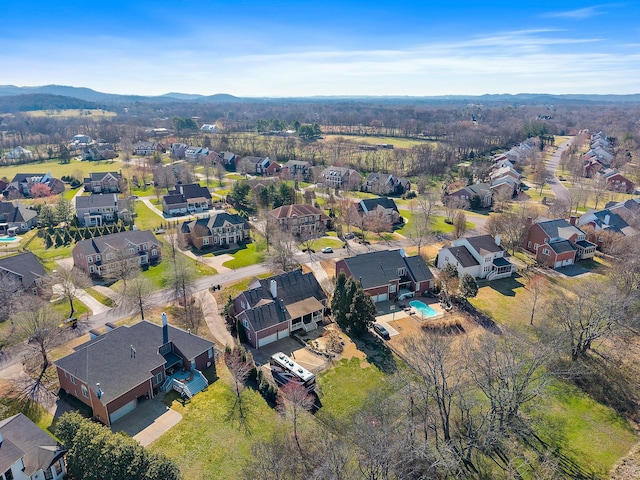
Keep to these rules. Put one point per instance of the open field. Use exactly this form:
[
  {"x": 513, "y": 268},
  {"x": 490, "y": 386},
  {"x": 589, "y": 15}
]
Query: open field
[
  {"x": 57, "y": 169},
  {"x": 374, "y": 140}
]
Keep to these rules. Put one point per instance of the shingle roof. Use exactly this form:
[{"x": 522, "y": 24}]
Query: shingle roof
[
  {"x": 24, "y": 439},
  {"x": 15, "y": 212},
  {"x": 192, "y": 190},
  {"x": 562, "y": 246},
  {"x": 97, "y": 176},
  {"x": 299, "y": 209},
  {"x": 214, "y": 221},
  {"x": 370, "y": 204},
  {"x": 96, "y": 201},
  {"x": 374, "y": 269},
  {"x": 26, "y": 265},
  {"x": 116, "y": 240},
  {"x": 463, "y": 256},
  {"x": 108, "y": 359},
  {"x": 559, "y": 228},
  {"x": 484, "y": 243},
  {"x": 418, "y": 268}
]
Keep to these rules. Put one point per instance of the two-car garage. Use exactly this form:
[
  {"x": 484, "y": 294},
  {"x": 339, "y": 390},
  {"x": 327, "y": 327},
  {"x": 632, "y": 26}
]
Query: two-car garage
[{"x": 122, "y": 411}]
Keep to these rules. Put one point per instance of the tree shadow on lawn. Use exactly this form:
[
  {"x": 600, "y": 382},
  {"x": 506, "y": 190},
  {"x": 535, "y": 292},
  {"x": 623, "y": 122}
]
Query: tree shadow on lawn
[
  {"x": 377, "y": 353},
  {"x": 505, "y": 286}
]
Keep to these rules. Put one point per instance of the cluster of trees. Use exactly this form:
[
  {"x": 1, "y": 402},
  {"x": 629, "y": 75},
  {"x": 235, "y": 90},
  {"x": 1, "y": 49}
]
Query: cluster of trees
[
  {"x": 352, "y": 309},
  {"x": 95, "y": 453},
  {"x": 59, "y": 236}
]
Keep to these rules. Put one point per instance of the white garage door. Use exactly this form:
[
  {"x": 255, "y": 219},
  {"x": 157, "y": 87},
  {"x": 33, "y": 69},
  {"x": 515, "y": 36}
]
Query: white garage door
[
  {"x": 558, "y": 264},
  {"x": 122, "y": 411},
  {"x": 383, "y": 297},
  {"x": 283, "y": 334},
  {"x": 267, "y": 340},
  {"x": 568, "y": 261}
]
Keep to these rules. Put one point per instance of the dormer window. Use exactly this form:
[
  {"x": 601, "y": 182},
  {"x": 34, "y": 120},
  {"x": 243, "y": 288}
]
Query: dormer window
[{"x": 402, "y": 271}]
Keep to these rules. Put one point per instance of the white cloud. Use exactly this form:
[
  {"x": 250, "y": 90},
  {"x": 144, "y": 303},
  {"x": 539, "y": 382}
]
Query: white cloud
[{"x": 577, "y": 14}]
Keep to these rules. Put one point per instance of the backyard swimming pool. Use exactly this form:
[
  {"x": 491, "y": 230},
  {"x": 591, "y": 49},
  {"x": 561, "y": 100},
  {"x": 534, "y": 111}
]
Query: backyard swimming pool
[
  {"x": 7, "y": 239},
  {"x": 423, "y": 309}
]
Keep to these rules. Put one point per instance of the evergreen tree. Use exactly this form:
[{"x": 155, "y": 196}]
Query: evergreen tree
[
  {"x": 468, "y": 286},
  {"x": 362, "y": 312}
]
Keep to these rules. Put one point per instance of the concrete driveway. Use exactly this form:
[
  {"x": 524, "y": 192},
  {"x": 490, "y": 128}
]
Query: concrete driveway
[
  {"x": 148, "y": 422},
  {"x": 559, "y": 190}
]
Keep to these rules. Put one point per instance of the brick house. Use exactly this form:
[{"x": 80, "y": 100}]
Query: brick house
[
  {"x": 97, "y": 255},
  {"x": 295, "y": 169},
  {"x": 385, "y": 207},
  {"x": 115, "y": 371},
  {"x": 186, "y": 199},
  {"x": 276, "y": 307},
  {"x": 558, "y": 243},
  {"x": 300, "y": 218},
  {"x": 220, "y": 228},
  {"x": 480, "y": 256},
  {"x": 481, "y": 190},
  {"x": 29, "y": 453},
  {"x": 385, "y": 184},
  {"x": 617, "y": 182},
  {"x": 388, "y": 274},
  {"x": 103, "y": 182},
  {"x": 23, "y": 182}
]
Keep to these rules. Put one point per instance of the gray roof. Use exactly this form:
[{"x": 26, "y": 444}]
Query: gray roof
[
  {"x": 479, "y": 189},
  {"x": 559, "y": 228},
  {"x": 14, "y": 212},
  {"x": 108, "y": 359},
  {"x": 562, "y": 246},
  {"x": 174, "y": 199},
  {"x": 375, "y": 269},
  {"x": 370, "y": 204},
  {"x": 463, "y": 256},
  {"x": 97, "y": 176},
  {"x": 96, "y": 201},
  {"x": 116, "y": 240},
  {"x": 418, "y": 268},
  {"x": 216, "y": 220},
  {"x": 484, "y": 244},
  {"x": 292, "y": 287},
  {"x": 25, "y": 265},
  {"x": 24, "y": 439},
  {"x": 615, "y": 222}
]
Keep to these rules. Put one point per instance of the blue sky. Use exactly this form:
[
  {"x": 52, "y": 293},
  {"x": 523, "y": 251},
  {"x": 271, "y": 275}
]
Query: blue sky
[{"x": 285, "y": 48}]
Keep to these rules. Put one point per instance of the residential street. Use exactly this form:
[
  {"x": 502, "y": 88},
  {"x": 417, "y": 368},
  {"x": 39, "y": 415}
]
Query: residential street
[{"x": 559, "y": 190}]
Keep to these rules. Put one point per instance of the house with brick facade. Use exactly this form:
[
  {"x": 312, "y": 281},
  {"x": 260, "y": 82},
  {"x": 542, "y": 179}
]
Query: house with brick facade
[
  {"x": 117, "y": 370},
  {"x": 481, "y": 256},
  {"x": 276, "y": 307},
  {"x": 96, "y": 210},
  {"x": 341, "y": 177},
  {"x": 296, "y": 169},
  {"x": 103, "y": 182},
  {"x": 385, "y": 184},
  {"x": 221, "y": 228},
  {"x": 481, "y": 190},
  {"x": 616, "y": 181},
  {"x": 300, "y": 218},
  {"x": 388, "y": 274},
  {"x": 558, "y": 243},
  {"x": 29, "y": 453},
  {"x": 98, "y": 256}
]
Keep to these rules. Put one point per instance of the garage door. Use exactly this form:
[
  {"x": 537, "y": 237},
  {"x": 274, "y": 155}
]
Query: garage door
[
  {"x": 383, "y": 297},
  {"x": 267, "y": 340},
  {"x": 558, "y": 264},
  {"x": 568, "y": 261},
  {"x": 122, "y": 411},
  {"x": 283, "y": 334}
]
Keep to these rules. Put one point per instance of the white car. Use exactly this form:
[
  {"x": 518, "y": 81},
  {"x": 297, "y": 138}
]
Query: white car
[{"x": 327, "y": 250}]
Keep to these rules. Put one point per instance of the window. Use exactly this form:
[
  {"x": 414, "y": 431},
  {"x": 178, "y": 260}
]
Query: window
[
  {"x": 73, "y": 379},
  {"x": 154, "y": 252},
  {"x": 535, "y": 246},
  {"x": 529, "y": 245},
  {"x": 85, "y": 392},
  {"x": 48, "y": 474},
  {"x": 90, "y": 259},
  {"x": 402, "y": 271},
  {"x": 205, "y": 241},
  {"x": 58, "y": 467},
  {"x": 97, "y": 258},
  {"x": 144, "y": 246},
  {"x": 210, "y": 353},
  {"x": 392, "y": 288},
  {"x": 8, "y": 475},
  {"x": 157, "y": 378},
  {"x": 92, "y": 269},
  {"x": 545, "y": 251},
  {"x": 245, "y": 322}
]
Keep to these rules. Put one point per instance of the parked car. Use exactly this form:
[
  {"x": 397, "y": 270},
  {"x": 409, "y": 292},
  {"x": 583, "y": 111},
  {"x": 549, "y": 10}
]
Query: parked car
[
  {"x": 327, "y": 250},
  {"x": 380, "y": 330},
  {"x": 349, "y": 236}
]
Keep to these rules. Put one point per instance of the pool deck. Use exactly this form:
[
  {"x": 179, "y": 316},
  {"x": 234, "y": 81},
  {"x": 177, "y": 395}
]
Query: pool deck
[{"x": 401, "y": 310}]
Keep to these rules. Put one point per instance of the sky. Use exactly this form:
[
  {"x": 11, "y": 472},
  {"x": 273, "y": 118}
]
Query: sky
[{"x": 335, "y": 47}]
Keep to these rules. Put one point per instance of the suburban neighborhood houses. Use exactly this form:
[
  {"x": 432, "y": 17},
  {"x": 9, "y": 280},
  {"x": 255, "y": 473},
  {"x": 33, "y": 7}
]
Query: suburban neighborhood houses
[{"x": 183, "y": 291}]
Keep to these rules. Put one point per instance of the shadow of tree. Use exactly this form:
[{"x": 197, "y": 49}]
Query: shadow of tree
[{"x": 377, "y": 353}]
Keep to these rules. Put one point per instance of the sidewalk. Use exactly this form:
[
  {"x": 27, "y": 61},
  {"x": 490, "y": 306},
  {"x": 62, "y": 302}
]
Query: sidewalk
[{"x": 215, "y": 321}]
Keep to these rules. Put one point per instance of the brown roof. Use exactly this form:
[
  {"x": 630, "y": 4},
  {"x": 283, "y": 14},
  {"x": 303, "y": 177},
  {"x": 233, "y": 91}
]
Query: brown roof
[{"x": 298, "y": 209}]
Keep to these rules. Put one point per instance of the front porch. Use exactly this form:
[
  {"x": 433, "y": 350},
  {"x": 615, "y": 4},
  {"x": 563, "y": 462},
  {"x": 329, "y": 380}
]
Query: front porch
[{"x": 306, "y": 314}]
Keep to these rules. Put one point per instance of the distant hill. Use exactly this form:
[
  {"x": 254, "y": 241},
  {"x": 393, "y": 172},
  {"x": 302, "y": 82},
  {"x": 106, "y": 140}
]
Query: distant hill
[{"x": 41, "y": 101}]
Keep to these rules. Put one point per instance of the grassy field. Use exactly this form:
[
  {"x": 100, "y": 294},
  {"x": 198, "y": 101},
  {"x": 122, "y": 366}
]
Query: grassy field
[
  {"x": 252, "y": 254},
  {"x": 146, "y": 219},
  {"x": 367, "y": 140},
  {"x": 103, "y": 299},
  {"x": 58, "y": 169}
]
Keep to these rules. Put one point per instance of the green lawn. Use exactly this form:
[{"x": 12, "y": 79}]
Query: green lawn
[
  {"x": 373, "y": 140},
  {"x": 146, "y": 219},
  {"x": 252, "y": 254},
  {"x": 69, "y": 193},
  {"x": 323, "y": 242},
  {"x": 58, "y": 169},
  {"x": 588, "y": 433},
  {"x": 103, "y": 299},
  {"x": 438, "y": 225},
  {"x": 62, "y": 307}
]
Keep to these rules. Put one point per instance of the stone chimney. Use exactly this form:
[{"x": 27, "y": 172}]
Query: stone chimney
[
  {"x": 273, "y": 286},
  {"x": 498, "y": 240},
  {"x": 573, "y": 219},
  {"x": 165, "y": 329}
]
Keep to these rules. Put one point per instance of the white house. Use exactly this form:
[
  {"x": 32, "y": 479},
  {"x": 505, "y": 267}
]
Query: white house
[
  {"x": 19, "y": 153},
  {"x": 480, "y": 256}
]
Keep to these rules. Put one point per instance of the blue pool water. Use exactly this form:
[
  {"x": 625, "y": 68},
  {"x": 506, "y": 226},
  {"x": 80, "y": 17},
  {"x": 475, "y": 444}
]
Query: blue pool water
[
  {"x": 422, "y": 308},
  {"x": 7, "y": 239}
]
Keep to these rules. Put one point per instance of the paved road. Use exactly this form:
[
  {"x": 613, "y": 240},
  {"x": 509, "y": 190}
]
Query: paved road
[{"x": 559, "y": 190}]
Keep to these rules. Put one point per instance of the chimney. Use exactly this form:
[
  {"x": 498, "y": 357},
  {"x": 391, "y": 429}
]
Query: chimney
[
  {"x": 498, "y": 240},
  {"x": 607, "y": 219},
  {"x": 110, "y": 326},
  {"x": 93, "y": 333},
  {"x": 274, "y": 288},
  {"x": 402, "y": 254},
  {"x": 165, "y": 329},
  {"x": 572, "y": 219},
  {"x": 529, "y": 221},
  {"x": 99, "y": 391}
]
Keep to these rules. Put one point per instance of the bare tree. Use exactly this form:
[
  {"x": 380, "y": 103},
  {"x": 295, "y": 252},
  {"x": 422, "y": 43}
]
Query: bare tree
[
  {"x": 459, "y": 224},
  {"x": 69, "y": 281},
  {"x": 452, "y": 205},
  {"x": 293, "y": 401},
  {"x": 39, "y": 323},
  {"x": 539, "y": 175},
  {"x": 240, "y": 366},
  {"x": 124, "y": 266},
  {"x": 182, "y": 279},
  {"x": 376, "y": 222},
  {"x": 537, "y": 286},
  {"x": 10, "y": 293},
  {"x": 138, "y": 294},
  {"x": 283, "y": 253},
  {"x": 513, "y": 224},
  {"x": 600, "y": 188},
  {"x": 220, "y": 172}
]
